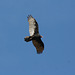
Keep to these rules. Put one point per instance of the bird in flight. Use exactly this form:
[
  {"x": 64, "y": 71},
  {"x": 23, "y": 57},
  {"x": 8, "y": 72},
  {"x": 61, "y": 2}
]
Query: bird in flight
[{"x": 35, "y": 37}]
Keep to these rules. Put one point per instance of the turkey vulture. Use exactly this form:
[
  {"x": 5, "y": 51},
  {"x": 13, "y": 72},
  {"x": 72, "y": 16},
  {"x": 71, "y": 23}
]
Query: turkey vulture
[{"x": 35, "y": 37}]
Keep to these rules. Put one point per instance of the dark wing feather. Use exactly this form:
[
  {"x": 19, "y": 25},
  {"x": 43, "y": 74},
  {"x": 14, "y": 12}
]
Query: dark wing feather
[
  {"x": 33, "y": 26},
  {"x": 38, "y": 45}
]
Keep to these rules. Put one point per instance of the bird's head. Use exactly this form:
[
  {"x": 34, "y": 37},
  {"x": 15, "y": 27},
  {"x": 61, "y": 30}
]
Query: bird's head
[{"x": 41, "y": 36}]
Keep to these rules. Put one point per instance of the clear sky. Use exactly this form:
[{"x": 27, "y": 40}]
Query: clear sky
[{"x": 56, "y": 19}]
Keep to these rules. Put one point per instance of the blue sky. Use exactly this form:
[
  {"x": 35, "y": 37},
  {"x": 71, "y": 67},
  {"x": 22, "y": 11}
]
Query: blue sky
[{"x": 56, "y": 19}]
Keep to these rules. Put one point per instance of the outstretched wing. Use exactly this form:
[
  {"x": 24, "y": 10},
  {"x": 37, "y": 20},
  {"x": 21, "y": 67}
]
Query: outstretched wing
[
  {"x": 33, "y": 25},
  {"x": 39, "y": 45}
]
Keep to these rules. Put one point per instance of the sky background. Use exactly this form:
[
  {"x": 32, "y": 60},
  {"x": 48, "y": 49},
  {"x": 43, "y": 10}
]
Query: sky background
[{"x": 56, "y": 19}]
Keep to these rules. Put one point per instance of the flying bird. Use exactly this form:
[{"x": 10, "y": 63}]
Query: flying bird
[{"x": 35, "y": 37}]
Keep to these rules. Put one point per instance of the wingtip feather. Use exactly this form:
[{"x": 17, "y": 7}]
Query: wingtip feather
[{"x": 29, "y": 16}]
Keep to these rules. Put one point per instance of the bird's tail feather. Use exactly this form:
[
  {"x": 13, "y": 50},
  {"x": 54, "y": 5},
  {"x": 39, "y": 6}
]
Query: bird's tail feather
[{"x": 27, "y": 39}]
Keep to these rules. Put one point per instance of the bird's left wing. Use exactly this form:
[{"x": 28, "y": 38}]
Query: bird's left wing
[{"x": 33, "y": 26}]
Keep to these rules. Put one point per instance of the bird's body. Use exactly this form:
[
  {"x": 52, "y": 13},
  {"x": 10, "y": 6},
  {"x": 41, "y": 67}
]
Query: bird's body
[{"x": 35, "y": 37}]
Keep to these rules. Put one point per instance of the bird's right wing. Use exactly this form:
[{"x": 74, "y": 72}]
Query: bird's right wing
[
  {"x": 39, "y": 45},
  {"x": 33, "y": 25}
]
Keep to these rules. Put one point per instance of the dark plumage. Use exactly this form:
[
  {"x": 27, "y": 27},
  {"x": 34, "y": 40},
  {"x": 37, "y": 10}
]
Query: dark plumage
[{"x": 35, "y": 37}]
